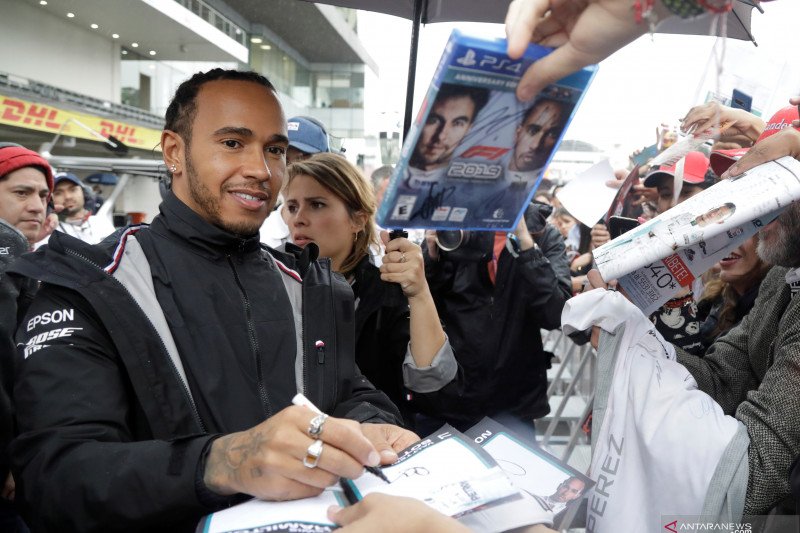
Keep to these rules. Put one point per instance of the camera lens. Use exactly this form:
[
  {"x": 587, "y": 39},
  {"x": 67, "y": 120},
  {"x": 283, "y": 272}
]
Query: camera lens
[{"x": 449, "y": 240}]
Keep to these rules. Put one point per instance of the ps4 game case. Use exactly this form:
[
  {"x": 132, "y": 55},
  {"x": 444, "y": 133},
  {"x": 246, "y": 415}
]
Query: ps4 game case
[{"x": 475, "y": 155}]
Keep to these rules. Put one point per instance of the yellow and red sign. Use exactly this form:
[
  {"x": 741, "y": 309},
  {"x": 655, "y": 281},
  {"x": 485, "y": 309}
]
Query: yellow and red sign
[{"x": 43, "y": 117}]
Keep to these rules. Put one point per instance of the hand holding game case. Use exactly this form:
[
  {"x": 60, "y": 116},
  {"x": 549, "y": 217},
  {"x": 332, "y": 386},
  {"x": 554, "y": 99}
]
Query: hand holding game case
[{"x": 475, "y": 154}]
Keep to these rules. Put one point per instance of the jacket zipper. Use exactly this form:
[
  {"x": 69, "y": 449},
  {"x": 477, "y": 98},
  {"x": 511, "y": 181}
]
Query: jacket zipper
[
  {"x": 319, "y": 347},
  {"x": 303, "y": 337},
  {"x": 321, "y": 354},
  {"x": 251, "y": 333},
  {"x": 184, "y": 386}
]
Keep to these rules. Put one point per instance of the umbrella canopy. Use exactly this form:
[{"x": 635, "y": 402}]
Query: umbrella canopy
[
  {"x": 738, "y": 23},
  {"x": 495, "y": 11},
  {"x": 433, "y": 10},
  {"x": 428, "y": 11}
]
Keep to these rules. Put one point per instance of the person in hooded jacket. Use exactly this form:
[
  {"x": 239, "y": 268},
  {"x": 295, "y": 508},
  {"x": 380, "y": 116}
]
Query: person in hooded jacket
[
  {"x": 400, "y": 344},
  {"x": 158, "y": 368},
  {"x": 494, "y": 293}
]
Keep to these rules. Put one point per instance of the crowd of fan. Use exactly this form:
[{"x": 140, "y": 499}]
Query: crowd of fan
[{"x": 155, "y": 366}]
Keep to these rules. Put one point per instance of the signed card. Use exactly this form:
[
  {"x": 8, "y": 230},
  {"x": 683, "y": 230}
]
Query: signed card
[
  {"x": 475, "y": 154},
  {"x": 447, "y": 471},
  {"x": 551, "y": 483}
]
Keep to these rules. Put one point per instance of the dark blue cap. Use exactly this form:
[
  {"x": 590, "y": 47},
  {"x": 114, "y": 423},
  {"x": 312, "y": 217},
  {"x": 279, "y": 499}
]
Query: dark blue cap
[
  {"x": 67, "y": 176},
  {"x": 307, "y": 135}
]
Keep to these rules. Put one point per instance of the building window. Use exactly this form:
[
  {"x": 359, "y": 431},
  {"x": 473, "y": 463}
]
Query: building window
[
  {"x": 215, "y": 18},
  {"x": 339, "y": 89}
]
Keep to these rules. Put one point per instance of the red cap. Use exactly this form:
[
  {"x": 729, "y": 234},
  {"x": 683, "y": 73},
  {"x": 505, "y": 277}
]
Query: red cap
[
  {"x": 16, "y": 157},
  {"x": 721, "y": 160},
  {"x": 694, "y": 171}
]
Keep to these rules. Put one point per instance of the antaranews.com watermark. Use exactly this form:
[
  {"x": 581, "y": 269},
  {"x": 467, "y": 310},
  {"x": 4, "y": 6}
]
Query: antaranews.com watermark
[{"x": 747, "y": 524}]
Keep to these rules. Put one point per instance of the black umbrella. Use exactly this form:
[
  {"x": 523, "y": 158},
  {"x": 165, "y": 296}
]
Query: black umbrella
[{"x": 428, "y": 11}]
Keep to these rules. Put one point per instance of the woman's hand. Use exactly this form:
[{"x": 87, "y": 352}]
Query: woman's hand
[
  {"x": 724, "y": 123},
  {"x": 403, "y": 264},
  {"x": 600, "y": 235},
  {"x": 430, "y": 244}
]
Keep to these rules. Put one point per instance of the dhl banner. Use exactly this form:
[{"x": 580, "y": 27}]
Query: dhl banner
[{"x": 43, "y": 117}]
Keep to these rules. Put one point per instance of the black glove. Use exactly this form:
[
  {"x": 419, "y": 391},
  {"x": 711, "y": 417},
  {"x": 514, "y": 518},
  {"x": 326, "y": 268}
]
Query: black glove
[
  {"x": 13, "y": 242},
  {"x": 536, "y": 216}
]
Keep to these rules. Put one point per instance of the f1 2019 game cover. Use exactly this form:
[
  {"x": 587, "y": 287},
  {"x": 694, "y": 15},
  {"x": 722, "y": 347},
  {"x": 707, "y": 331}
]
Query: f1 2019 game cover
[{"x": 475, "y": 154}]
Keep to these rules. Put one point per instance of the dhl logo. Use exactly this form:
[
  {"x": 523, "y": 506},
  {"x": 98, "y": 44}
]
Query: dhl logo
[
  {"x": 16, "y": 112},
  {"x": 35, "y": 115},
  {"x": 123, "y": 132}
]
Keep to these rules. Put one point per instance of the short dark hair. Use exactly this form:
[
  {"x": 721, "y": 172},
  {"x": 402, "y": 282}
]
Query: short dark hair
[
  {"x": 183, "y": 107},
  {"x": 478, "y": 95},
  {"x": 575, "y": 478}
]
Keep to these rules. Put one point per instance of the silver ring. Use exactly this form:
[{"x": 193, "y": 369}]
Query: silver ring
[
  {"x": 315, "y": 426},
  {"x": 313, "y": 452}
]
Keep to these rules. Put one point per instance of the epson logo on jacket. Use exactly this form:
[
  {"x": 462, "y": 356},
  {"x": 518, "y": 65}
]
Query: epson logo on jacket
[{"x": 51, "y": 317}]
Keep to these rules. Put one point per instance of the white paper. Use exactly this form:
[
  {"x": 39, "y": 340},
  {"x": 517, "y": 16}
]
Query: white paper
[
  {"x": 446, "y": 471},
  {"x": 678, "y": 151},
  {"x": 586, "y": 196},
  {"x": 508, "y": 516}
]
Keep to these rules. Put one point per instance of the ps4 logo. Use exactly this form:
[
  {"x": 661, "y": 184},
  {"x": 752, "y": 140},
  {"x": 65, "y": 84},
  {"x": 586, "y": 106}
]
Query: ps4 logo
[
  {"x": 471, "y": 59},
  {"x": 468, "y": 59}
]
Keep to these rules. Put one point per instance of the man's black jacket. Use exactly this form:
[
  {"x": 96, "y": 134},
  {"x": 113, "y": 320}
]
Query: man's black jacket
[
  {"x": 110, "y": 436},
  {"x": 494, "y": 327},
  {"x": 383, "y": 332},
  {"x": 12, "y": 245}
]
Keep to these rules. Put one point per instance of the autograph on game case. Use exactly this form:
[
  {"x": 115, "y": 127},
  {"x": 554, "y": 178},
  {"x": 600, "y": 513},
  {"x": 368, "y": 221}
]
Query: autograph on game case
[{"x": 435, "y": 198}]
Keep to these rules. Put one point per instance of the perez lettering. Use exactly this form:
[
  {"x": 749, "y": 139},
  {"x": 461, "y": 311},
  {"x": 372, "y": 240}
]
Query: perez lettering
[{"x": 608, "y": 472}]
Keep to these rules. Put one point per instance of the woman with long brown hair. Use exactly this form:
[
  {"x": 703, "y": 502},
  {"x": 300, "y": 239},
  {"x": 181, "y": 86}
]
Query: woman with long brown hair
[
  {"x": 727, "y": 299},
  {"x": 400, "y": 344}
]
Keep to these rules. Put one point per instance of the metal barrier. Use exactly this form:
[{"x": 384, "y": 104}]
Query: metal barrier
[{"x": 575, "y": 376}]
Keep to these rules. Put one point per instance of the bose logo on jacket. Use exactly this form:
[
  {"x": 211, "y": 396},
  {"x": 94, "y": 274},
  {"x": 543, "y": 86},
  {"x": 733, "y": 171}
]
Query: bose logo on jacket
[{"x": 35, "y": 343}]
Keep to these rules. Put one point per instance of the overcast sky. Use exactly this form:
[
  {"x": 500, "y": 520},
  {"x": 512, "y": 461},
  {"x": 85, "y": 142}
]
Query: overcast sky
[{"x": 653, "y": 80}]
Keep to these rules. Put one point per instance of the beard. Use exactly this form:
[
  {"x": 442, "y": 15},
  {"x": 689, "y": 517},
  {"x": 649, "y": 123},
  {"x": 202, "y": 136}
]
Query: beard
[
  {"x": 72, "y": 212},
  {"x": 209, "y": 204},
  {"x": 780, "y": 245}
]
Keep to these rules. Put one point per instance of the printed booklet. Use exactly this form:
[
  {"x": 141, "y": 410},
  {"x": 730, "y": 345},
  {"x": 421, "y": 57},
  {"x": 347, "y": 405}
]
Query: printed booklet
[
  {"x": 653, "y": 261},
  {"x": 446, "y": 470},
  {"x": 491, "y": 480},
  {"x": 475, "y": 155}
]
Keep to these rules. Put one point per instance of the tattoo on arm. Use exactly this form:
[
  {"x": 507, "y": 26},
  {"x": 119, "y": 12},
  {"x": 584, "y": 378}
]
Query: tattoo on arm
[{"x": 227, "y": 461}]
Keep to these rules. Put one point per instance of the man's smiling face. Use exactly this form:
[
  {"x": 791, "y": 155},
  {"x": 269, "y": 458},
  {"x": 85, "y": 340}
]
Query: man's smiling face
[{"x": 236, "y": 158}]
